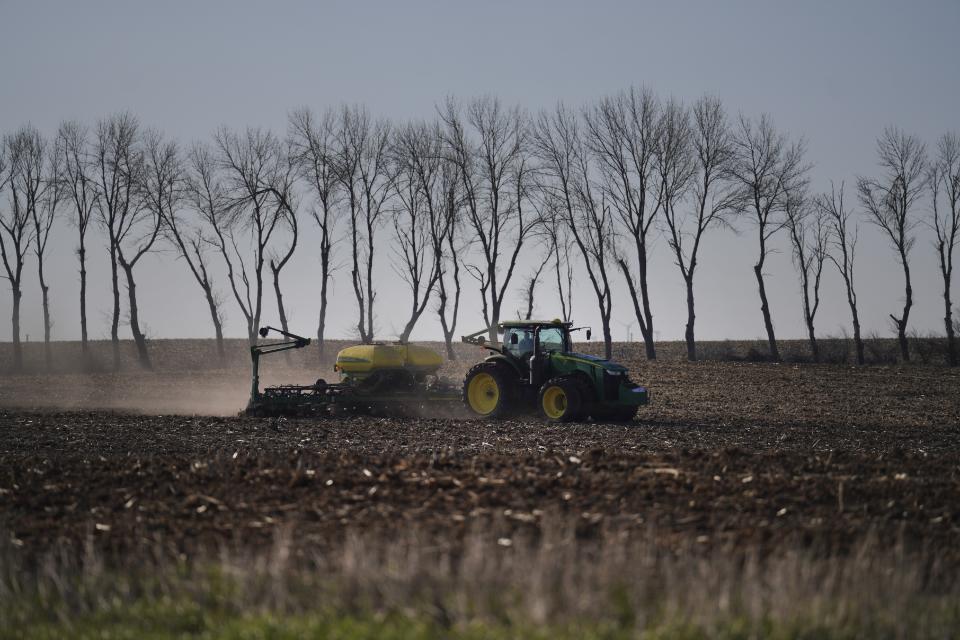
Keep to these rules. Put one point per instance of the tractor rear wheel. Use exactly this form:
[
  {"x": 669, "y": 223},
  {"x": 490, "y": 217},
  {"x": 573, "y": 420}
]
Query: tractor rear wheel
[
  {"x": 561, "y": 400},
  {"x": 487, "y": 390}
]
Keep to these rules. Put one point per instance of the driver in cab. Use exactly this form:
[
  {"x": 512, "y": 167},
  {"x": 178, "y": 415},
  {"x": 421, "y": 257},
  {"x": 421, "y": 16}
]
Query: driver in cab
[{"x": 520, "y": 343}]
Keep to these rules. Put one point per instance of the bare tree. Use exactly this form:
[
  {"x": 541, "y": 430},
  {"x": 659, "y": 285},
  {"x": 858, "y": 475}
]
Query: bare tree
[
  {"x": 208, "y": 197},
  {"x": 15, "y": 225},
  {"x": 44, "y": 214},
  {"x": 171, "y": 196},
  {"x": 314, "y": 148},
  {"x": 766, "y": 168},
  {"x": 116, "y": 164},
  {"x": 447, "y": 242},
  {"x": 418, "y": 218},
  {"x": 81, "y": 190},
  {"x": 36, "y": 189},
  {"x": 486, "y": 143},
  {"x": 889, "y": 201},
  {"x": 711, "y": 199},
  {"x": 365, "y": 171},
  {"x": 622, "y": 132},
  {"x": 945, "y": 178},
  {"x": 561, "y": 247},
  {"x": 807, "y": 227},
  {"x": 530, "y": 285},
  {"x": 569, "y": 189},
  {"x": 843, "y": 237},
  {"x": 137, "y": 228},
  {"x": 675, "y": 169},
  {"x": 240, "y": 200},
  {"x": 281, "y": 187}
]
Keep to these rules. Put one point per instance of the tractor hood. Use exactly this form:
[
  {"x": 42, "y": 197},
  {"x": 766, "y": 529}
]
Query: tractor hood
[{"x": 592, "y": 360}]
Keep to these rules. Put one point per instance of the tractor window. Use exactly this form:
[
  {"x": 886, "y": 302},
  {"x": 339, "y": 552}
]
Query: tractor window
[
  {"x": 518, "y": 342},
  {"x": 551, "y": 340}
]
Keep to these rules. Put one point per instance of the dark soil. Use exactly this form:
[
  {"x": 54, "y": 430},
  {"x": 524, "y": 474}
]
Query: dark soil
[
  {"x": 748, "y": 456},
  {"x": 126, "y": 481}
]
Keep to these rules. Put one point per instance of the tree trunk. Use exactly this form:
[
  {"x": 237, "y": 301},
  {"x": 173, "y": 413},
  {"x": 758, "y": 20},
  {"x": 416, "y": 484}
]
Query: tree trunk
[
  {"x": 448, "y": 327},
  {"x": 563, "y": 302},
  {"x": 448, "y": 340},
  {"x": 647, "y": 330},
  {"x": 408, "y": 329},
  {"x": 765, "y": 308},
  {"x": 851, "y": 300},
  {"x": 370, "y": 294},
  {"x": 45, "y": 298},
  {"x": 361, "y": 324},
  {"x": 494, "y": 321},
  {"x": 138, "y": 337},
  {"x": 902, "y": 340},
  {"x": 84, "y": 346},
  {"x": 253, "y": 324},
  {"x": 814, "y": 347},
  {"x": 907, "y": 304},
  {"x": 17, "y": 347},
  {"x": 280, "y": 308},
  {"x": 442, "y": 315},
  {"x": 807, "y": 315},
  {"x": 203, "y": 279},
  {"x": 355, "y": 275},
  {"x": 251, "y": 331},
  {"x": 948, "y": 320},
  {"x": 858, "y": 341},
  {"x": 215, "y": 317},
  {"x": 531, "y": 288},
  {"x": 691, "y": 317},
  {"x": 607, "y": 336},
  {"x": 115, "y": 321},
  {"x": 322, "y": 323}
]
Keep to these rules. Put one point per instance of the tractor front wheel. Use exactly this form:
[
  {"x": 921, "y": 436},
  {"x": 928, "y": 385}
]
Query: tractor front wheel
[
  {"x": 561, "y": 400},
  {"x": 487, "y": 391}
]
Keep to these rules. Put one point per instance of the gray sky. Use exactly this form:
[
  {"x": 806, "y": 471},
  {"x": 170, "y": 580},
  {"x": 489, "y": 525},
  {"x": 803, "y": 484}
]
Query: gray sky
[{"x": 833, "y": 72}]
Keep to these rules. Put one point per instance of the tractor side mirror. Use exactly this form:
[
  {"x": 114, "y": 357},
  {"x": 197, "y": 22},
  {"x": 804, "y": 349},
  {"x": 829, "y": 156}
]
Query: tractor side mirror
[
  {"x": 514, "y": 339},
  {"x": 589, "y": 333},
  {"x": 263, "y": 331}
]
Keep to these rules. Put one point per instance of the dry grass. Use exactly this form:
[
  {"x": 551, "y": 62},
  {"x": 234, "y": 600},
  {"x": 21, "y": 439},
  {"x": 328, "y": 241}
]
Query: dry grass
[{"x": 553, "y": 580}]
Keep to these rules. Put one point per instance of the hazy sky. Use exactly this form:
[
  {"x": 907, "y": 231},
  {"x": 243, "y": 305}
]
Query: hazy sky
[{"x": 833, "y": 72}]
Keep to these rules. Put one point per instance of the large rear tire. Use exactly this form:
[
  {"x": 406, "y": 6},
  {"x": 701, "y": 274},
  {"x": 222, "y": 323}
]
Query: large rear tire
[
  {"x": 487, "y": 390},
  {"x": 561, "y": 400}
]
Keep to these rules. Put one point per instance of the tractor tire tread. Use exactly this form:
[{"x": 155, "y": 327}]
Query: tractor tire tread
[
  {"x": 501, "y": 374},
  {"x": 572, "y": 387}
]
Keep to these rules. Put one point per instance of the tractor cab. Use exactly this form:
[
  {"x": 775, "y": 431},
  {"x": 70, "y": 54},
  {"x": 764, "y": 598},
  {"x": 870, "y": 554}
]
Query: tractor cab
[
  {"x": 523, "y": 340},
  {"x": 534, "y": 364}
]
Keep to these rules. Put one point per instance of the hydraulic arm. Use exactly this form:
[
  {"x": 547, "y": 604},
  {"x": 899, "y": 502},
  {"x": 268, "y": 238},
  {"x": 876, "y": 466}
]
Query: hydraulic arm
[{"x": 293, "y": 342}]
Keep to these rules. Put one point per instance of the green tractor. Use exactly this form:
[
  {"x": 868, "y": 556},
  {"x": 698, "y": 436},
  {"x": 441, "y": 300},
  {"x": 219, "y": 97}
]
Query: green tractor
[{"x": 535, "y": 368}]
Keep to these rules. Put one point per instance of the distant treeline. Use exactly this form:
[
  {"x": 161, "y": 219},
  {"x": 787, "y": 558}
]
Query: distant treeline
[{"x": 460, "y": 198}]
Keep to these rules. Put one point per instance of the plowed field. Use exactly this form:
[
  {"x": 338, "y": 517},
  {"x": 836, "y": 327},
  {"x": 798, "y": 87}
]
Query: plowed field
[{"x": 728, "y": 455}]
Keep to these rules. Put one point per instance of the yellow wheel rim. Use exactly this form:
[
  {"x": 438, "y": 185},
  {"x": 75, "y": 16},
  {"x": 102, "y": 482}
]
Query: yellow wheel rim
[
  {"x": 554, "y": 402},
  {"x": 483, "y": 393}
]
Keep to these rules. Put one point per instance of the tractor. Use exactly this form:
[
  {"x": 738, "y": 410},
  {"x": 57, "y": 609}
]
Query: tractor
[{"x": 535, "y": 368}]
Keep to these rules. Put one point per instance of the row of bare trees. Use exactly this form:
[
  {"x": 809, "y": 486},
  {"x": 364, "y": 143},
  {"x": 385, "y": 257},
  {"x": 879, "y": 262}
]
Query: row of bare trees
[{"x": 464, "y": 196}]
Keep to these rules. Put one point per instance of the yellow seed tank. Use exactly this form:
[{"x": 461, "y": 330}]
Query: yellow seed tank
[{"x": 361, "y": 360}]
